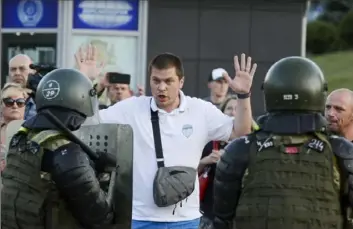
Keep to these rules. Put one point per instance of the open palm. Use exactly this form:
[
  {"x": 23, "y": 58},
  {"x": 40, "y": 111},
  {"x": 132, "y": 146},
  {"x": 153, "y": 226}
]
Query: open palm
[
  {"x": 86, "y": 60},
  {"x": 244, "y": 73}
]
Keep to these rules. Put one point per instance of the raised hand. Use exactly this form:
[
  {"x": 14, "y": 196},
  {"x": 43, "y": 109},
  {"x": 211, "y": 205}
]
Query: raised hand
[
  {"x": 244, "y": 73},
  {"x": 86, "y": 60}
]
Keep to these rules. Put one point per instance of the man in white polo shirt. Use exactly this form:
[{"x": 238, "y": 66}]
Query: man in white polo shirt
[{"x": 186, "y": 125}]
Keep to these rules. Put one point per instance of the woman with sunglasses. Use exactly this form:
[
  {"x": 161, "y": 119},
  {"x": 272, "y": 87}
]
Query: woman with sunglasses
[{"x": 13, "y": 101}]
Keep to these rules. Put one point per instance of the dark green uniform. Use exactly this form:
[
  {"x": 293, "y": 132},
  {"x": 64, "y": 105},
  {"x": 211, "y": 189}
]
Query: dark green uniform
[
  {"x": 291, "y": 180},
  {"x": 50, "y": 182}
]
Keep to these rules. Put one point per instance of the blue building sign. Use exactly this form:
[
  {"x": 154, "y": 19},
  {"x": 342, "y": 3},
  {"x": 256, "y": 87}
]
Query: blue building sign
[
  {"x": 30, "y": 14},
  {"x": 106, "y": 14}
]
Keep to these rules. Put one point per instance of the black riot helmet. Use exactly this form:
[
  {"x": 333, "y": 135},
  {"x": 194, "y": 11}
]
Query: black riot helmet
[
  {"x": 295, "y": 84},
  {"x": 69, "y": 89}
]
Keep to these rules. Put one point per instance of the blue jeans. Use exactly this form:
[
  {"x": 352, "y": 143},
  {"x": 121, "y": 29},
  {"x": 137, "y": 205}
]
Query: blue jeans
[{"x": 191, "y": 224}]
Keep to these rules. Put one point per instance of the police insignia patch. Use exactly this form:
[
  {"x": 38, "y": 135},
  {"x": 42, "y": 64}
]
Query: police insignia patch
[
  {"x": 265, "y": 144},
  {"x": 246, "y": 139},
  {"x": 15, "y": 140},
  {"x": 32, "y": 147},
  {"x": 317, "y": 145}
]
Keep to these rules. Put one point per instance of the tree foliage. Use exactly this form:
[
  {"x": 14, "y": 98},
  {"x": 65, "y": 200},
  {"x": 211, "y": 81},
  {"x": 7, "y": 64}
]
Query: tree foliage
[{"x": 335, "y": 10}]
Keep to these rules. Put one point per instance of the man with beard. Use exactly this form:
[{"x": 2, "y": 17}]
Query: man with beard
[
  {"x": 121, "y": 90},
  {"x": 218, "y": 87},
  {"x": 118, "y": 90},
  {"x": 18, "y": 73}
]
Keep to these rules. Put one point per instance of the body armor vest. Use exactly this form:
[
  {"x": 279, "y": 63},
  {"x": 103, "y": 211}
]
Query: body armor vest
[
  {"x": 29, "y": 197},
  {"x": 290, "y": 184}
]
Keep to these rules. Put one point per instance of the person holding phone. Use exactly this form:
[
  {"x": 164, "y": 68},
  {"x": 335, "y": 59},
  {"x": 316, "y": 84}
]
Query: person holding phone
[{"x": 118, "y": 87}]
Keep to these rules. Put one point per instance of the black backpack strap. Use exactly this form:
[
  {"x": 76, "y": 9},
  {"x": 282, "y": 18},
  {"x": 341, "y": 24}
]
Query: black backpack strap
[{"x": 157, "y": 138}]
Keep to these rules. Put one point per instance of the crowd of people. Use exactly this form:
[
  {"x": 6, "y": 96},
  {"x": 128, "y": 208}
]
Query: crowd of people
[{"x": 236, "y": 172}]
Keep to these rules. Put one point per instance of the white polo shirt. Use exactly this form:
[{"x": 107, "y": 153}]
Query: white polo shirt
[{"x": 184, "y": 133}]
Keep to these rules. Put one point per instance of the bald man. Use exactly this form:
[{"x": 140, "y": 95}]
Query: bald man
[
  {"x": 19, "y": 69},
  {"x": 18, "y": 73},
  {"x": 339, "y": 112}
]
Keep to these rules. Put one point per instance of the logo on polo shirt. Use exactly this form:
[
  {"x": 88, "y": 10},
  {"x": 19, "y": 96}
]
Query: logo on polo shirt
[{"x": 187, "y": 130}]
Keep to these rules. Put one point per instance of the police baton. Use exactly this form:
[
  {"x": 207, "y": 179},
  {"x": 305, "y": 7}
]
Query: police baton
[{"x": 110, "y": 159}]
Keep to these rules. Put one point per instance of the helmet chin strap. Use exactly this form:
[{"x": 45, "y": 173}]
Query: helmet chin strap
[{"x": 294, "y": 123}]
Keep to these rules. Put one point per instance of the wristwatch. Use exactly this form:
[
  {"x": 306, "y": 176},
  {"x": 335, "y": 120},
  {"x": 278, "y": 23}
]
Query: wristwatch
[
  {"x": 99, "y": 93},
  {"x": 244, "y": 96}
]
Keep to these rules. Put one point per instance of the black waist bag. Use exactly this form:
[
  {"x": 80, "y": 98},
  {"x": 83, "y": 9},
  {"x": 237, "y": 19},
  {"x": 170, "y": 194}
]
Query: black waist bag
[{"x": 171, "y": 184}]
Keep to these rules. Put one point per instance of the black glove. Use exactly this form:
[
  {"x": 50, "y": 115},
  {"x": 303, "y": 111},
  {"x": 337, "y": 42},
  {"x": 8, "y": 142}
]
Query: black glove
[
  {"x": 220, "y": 224},
  {"x": 104, "y": 181},
  {"x": 104, "y": 160}
]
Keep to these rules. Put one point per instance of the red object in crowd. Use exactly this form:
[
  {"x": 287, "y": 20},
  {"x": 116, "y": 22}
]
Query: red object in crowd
[
  {"x": 291, "y": 150},
  {"x": 203, "y": 177},
  {"x": 215, "y": 145},
  {"x": 203, "y": 180}
]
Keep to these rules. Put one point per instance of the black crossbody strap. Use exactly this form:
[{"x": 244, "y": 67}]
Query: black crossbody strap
[{"x": 157, "y": 138}]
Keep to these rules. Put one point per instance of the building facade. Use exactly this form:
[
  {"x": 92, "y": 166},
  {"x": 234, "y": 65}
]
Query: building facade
[
  {"x": 51, "y": 31},
  {"x": 204, "y": 33},
  {"x": 208, "y": 33}
]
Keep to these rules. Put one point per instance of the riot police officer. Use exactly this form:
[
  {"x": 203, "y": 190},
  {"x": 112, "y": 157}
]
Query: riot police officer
[
  {"x": 49, "y": 181},
  {"x": 290, "y": 179}
]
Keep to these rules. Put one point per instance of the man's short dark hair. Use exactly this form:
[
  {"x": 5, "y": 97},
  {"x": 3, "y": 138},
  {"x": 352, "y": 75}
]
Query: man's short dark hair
[{"x": 165, "y": 61}]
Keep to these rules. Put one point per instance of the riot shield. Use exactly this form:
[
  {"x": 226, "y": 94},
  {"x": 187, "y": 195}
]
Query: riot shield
[
  {"x": 115, "y": 139},
  {"x": 94, "y": 120}
]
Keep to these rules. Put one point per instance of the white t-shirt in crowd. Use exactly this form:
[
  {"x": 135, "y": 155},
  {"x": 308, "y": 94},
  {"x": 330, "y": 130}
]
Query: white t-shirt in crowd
[{"x": 184, "y": 133}]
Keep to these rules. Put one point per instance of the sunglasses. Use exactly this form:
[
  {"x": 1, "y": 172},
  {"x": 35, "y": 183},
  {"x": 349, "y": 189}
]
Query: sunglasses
[{"x": 9, "y": 102}]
